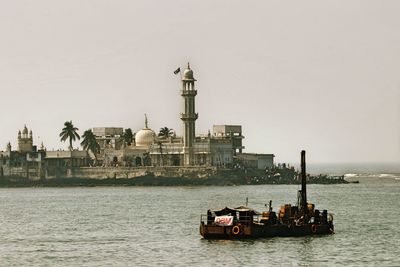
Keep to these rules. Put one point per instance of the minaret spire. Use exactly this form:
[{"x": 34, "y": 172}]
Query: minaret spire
[{"x": 145, "y": 121}]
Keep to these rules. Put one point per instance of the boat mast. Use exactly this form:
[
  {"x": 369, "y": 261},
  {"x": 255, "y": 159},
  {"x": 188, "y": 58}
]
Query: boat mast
[{"x": 303, "y": 182}]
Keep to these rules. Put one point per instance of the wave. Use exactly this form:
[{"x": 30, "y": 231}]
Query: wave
[
  {"x": 374, "y": 175},
  {"x": 348, "y": 175},
  {"x": 385, "y": 175}
]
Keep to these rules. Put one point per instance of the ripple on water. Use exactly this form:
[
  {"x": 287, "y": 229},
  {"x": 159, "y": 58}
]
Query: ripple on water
[{"x": 159, "y": 226}]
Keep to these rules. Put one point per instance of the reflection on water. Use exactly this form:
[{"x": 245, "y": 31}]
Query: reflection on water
[{"x": 159, "y": 225}]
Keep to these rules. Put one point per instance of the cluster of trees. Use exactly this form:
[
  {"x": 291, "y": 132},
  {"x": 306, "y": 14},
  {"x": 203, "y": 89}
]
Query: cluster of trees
[{"x": 89, "y": 142}]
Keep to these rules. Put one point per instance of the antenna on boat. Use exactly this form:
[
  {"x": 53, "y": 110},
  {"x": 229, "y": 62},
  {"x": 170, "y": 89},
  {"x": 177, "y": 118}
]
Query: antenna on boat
[
  {"x": 247, "y": 201},
  {"x": 303, "y": 182}
]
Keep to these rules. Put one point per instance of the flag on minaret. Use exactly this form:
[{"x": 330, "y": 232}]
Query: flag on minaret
[{"x": 177, "y": 71}]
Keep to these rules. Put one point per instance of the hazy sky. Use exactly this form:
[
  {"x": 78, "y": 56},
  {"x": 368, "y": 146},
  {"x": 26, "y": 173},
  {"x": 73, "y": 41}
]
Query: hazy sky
[{"x": 316, "y": 75}]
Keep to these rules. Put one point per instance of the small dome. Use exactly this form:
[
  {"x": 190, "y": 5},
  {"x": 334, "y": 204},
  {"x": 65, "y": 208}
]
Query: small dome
[
  {"x": 25, "y": 131},
  {"x": 188, "y": 73},
  {"x": 145, "y": 137}
]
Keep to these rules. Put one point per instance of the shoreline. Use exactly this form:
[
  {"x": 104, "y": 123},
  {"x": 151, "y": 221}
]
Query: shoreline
[{"x": 149, "y": 180}]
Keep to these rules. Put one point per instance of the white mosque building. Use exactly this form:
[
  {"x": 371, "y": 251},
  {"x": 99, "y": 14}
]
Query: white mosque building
[
  {"x": 221, "y": 148},
  {"x": 216, "y": 149}
]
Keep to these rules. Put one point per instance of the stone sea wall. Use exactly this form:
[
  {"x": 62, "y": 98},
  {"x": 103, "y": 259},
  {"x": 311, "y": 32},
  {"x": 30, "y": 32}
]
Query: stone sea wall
[
  {"x": 199, "y": 175},
  {"x": 130, "y": 172},
  {"x": 113, "y": 176}
]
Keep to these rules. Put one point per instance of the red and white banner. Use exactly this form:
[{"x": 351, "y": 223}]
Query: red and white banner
[{"x": 224, "y": 220}]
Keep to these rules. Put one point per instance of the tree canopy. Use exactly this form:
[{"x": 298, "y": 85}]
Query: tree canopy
[
  {"x": 165, "y": 132},
  {"x": 89, "y": 142},
  {"x": 127, "y": 136},
  {"x": 69, "y": 132}
]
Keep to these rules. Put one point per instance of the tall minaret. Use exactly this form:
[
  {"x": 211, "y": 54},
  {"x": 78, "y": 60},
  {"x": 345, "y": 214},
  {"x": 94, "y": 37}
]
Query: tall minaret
[{"x": 188, "y": 116}]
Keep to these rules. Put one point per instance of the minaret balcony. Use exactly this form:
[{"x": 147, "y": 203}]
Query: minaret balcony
[
  {"x": 188, "y": 92},
  {"x": 189, "y": 117}
]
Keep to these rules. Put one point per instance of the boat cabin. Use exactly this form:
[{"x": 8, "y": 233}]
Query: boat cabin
[{"x": 232, "y": 216}]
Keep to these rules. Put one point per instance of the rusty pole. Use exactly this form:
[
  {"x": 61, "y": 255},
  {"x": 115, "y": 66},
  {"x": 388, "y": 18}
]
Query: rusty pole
[{"x": 303, "y": 181}]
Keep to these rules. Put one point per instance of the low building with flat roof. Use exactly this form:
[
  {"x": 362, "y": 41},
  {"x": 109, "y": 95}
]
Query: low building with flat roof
[
  {"x": 254, "y": 160},
  {"x": 109, "y": 137},
  {"x": 66, "y": 158},
  {"x": 233, "y": 132}
]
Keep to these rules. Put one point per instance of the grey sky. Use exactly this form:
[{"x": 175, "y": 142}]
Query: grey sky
[{"x": 318, "y": 75}]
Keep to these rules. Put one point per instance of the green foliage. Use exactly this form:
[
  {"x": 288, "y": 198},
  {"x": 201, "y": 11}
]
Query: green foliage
[
  {"x": 165, "y": 132},
  {"x": 89, "y": 142},
  {"x": 127, "y": 136},
  {"x": 69, "y": 132}
]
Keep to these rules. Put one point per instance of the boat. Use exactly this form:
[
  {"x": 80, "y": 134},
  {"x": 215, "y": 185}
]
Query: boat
[{"x": 244, "y": 222}]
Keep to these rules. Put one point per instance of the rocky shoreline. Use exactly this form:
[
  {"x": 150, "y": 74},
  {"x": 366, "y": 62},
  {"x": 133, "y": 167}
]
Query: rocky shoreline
[{"x": 224, "y": 179}]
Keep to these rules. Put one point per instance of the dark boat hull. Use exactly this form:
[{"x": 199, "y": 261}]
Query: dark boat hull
[{"x": 260, "y": 231}]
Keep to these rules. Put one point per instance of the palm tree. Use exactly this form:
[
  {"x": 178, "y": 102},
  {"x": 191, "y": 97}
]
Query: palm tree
[
  {"x": 69, "y": 132},
  {"x": 165, "y": 132},
  {"x": 127, "y": 136},
  {"x": 89, "y": 142}
]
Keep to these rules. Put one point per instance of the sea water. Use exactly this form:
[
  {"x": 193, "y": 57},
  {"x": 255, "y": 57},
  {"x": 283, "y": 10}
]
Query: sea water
[{"x": 159, "y": 226}]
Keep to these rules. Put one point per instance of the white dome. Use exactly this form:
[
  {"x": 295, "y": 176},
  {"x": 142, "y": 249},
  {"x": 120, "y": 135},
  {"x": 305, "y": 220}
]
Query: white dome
[
  {"x": 145, "y": 137},
  {"x": 188, "y": 74}
]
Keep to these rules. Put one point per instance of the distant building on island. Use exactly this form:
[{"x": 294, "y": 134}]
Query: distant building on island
[
  {"x": 222, "y": 148},
  {"x": 25, "y": 141}
]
